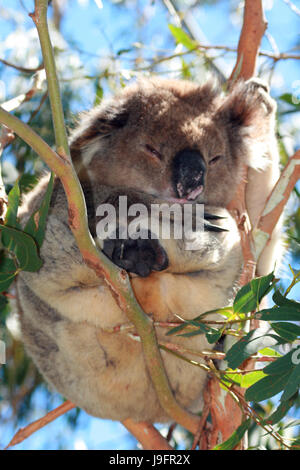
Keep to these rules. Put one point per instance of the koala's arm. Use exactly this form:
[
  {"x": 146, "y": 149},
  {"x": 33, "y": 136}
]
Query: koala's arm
[
  {"x": 261, "y": 180},
  {"x": 202, "y": 250}
]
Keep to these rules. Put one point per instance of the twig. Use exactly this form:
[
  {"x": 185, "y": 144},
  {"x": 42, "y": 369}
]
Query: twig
[
  {"x": 36, "y": 87},
  {"x": 23, "y": 433},
  {"x": 292, "y": 7},
  {"x": 22, "y": 69}
]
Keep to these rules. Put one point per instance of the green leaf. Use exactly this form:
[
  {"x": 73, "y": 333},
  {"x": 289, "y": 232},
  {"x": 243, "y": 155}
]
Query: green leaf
[
  {"x": 249, "y": 296},
  {"x": 36, "y": 225},
  {"x": 282, "y": 301},
  {"x": 235, "y": 437},
  {"x": 8, "y": 272},
  {"x": 99, "y": 94},
  {"x": 212, "y": 334},
  {"x": 24, "y": 248},
  {"x": 251, "y": 378},
  {"x": 185, "y": 70},
  {"x": 227, "y": 312},
  {"x": 267, "y": 387},
  {"x": 288, "y": 98},
  {"x": 12, "y": 209},
  {"x": 27, "y": 182},
  {"x": 176, "y": 329},
  {"x": 279, "y": 314},
  {"x": 246, "y": 346},
  {"x": 181, "y": 37},
  {"x": 288, "y": 331},
  {"x": 269, "y": 352},
  {"x": 281, "y": 365},
  {"x": 281, "y": 411},
  {"x": 4, "y": 310},
  {"x": 292, "y": 385},
  {"x": 124, "y": 51},
  {"x": 230, "y": 378}
]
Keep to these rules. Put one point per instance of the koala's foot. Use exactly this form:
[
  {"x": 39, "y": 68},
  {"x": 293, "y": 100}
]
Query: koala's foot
[{"x": 137, "y": 256}]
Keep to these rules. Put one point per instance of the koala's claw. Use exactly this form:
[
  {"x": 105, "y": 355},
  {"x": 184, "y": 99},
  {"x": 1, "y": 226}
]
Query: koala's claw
[
  {"x": 211, "y": 227},
  {"x": 209, "y": 216},
  {"x": 139, "y": 256},
  {"x": 214, "y": 228}
]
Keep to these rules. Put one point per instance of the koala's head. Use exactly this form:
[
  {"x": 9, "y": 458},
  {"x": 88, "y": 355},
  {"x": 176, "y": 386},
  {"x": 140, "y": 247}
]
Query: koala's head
[{"x": 176, "y": 140}]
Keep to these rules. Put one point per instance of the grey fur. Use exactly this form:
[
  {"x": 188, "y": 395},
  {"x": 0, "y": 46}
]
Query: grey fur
[{"x": 69, "y": 313}]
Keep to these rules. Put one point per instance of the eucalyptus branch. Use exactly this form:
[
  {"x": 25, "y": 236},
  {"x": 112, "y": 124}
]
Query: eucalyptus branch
[
  {"x": 253, "y": 29},
  {"x": 40, "y": 19}
]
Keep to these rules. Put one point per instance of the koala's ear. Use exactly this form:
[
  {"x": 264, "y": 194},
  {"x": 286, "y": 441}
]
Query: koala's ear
[
  {"x": 247, "y": 104},
  {"x": 248, "y": 114},
  {"x": 100, "y": 122}
]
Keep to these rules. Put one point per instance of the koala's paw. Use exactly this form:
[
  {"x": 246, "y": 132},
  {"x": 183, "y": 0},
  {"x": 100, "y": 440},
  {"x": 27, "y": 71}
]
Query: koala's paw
[
  {"x": 256, "y": 85},
  {"x": 137, "y": 256}
]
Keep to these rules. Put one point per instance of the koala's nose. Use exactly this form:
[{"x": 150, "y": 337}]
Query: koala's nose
[{"x": 188, "y": 173}]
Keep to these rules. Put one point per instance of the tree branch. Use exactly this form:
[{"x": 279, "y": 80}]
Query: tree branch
[
  {"x": 147, "y": 435},
  {"x": 254, "y": 26}
]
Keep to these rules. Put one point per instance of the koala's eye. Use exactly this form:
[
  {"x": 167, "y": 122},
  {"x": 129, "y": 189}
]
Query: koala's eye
[
  {"x": 153, "y": 152},
  {"x": 215, "y": 159}
]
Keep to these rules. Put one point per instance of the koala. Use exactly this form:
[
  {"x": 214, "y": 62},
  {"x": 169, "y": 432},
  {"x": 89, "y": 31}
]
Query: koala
[{"x": 157, "y": 141}]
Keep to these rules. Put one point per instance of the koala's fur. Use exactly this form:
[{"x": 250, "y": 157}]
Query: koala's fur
[{"x": 126, "y": 146}]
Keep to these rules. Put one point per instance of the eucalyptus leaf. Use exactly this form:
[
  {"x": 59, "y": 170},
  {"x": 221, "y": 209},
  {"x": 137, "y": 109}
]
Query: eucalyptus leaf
[
  {"x": 281, "y": 365},
  {"x": 288, "y": 331},
  {"x": 235, "y": 437},
  {"x": 249, "y": 296},
  {"x": 182, "y": 37},
  {"x": 36, "y": 224},
  {"x": 267, "y": 387},
  {"x": 281, "y": 411},
  {"x": 283, "y": 301},
  {"x": 251, "y": 378},
  {"x": 250, "y": 344},
  {"x": 12, "y": 207},
  {"x": 24, "y": 248},
  {"x": 8, "y": 272},
  {"x": 292, "y": 385},
  {"x": 284, "y": 313}
]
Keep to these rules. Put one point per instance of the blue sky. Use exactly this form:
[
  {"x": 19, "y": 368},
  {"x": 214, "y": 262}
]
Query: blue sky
[{"x": 110, "y": 29}]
